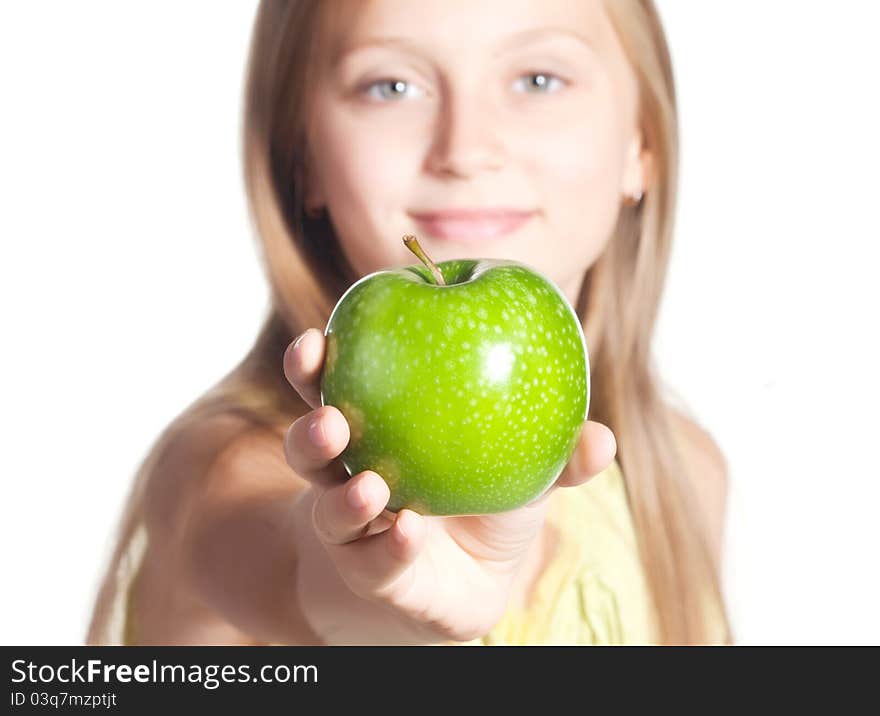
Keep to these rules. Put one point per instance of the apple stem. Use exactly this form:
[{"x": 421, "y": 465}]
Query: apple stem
[{"x": 412, "y": 243}]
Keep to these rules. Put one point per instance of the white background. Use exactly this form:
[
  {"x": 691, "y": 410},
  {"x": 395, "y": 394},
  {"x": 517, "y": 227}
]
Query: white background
[{"x": 130, "y": 283}]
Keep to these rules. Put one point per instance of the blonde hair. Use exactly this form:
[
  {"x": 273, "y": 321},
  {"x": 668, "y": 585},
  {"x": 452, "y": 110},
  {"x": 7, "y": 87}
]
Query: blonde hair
[{"x": 618, "y": 307}]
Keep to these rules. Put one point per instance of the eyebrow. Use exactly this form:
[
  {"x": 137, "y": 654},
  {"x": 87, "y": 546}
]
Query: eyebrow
[{"x": 514, "y": 40}]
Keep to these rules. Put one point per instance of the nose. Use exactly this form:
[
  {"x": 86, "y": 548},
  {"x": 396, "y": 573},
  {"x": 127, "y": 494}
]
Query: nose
[{"x": 467, "y": 138}]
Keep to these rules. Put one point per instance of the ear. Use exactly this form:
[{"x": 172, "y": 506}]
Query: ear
[{"x": 638, "y": 167}]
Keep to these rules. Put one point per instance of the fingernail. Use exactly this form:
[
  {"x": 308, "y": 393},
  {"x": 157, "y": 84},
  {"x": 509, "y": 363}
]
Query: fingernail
[
  {"x": 317, "y": 434},
  {"x": 299, "y": 340},
  {"x": 356, "y": 497}
]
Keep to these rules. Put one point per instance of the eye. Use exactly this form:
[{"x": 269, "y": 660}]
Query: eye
[
  {"x": 391, "y": 89},
  {"x": 538, "y": 83}
]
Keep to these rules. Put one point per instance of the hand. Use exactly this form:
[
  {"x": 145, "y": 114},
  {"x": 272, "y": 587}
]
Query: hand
[{"x": 435, "y": 578}]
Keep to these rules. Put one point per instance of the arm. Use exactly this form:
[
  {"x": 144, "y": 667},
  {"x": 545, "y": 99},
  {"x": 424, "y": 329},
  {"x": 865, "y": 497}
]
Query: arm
[
  {"x": 249, "y": 533},
  {"x": 238, "y": 544}
]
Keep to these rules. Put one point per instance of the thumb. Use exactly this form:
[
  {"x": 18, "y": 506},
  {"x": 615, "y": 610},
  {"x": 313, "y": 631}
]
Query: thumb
[{"x": 595, "y": 450}]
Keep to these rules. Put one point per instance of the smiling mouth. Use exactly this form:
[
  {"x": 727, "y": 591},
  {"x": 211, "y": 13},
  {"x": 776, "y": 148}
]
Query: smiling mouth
[{"x": 467, "y": 225}]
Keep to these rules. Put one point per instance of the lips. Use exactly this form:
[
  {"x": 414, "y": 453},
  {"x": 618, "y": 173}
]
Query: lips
[{"x": 467, "y": 225}]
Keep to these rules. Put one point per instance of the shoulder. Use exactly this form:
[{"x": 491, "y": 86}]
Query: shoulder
[
  {"x": 199, "y": 452},
  {"x": 256, "y": 448},
  {"x": 707, "y": 469}
]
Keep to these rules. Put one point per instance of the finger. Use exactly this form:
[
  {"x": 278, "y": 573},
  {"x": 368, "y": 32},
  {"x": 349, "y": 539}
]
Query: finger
[
  {"x": 378, "y": 566},
  {"x": 303, "y": 361},
  {"x": 343, "y": 513},
  {"x": 382, "y": 522},
  {"x": 314, "y": 441},
  {"x": 594, "y": 452}
]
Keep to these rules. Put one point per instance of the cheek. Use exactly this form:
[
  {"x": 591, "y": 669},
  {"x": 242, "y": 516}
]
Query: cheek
[
  {"x": 367, "y": 170},
  {"x": 579, "y": 165},
  {"x": 578, "y": 156},
  {"x": 576, "y": 169},
  {"x": 361, "y": 169}
]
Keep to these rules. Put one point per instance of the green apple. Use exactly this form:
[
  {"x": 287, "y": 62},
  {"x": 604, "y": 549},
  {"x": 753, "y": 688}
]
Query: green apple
[{"x": 465, "y": 384}]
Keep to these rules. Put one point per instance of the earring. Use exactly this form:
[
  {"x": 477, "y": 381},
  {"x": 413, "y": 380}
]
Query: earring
[{"x": 630, "y": 200}]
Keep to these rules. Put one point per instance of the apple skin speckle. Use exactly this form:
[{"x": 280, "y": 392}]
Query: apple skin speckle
[{"x": 411, "y": 372}]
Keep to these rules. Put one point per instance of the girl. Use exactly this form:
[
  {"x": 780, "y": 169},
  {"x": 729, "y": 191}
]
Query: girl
[{"x": 543, "y": 132}]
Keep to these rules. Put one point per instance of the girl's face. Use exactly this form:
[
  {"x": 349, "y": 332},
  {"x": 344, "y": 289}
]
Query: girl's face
[{"x": 496, "y": 129}]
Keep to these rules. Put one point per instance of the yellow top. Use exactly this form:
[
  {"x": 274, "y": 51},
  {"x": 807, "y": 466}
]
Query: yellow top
[{"x": 592, "y": 592}]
